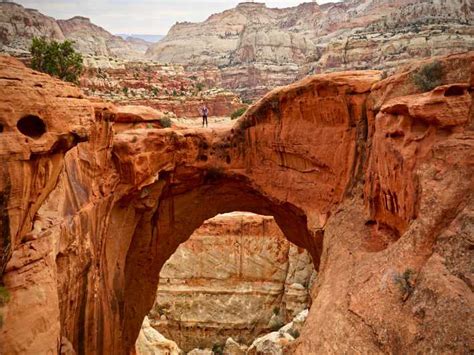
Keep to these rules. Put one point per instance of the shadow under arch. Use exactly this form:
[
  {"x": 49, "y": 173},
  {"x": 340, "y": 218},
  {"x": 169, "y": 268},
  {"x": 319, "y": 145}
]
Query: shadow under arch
[{"x": 179, "y": 212}]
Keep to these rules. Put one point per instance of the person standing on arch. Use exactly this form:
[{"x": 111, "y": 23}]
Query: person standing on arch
[{"x": 205, "y": 114}]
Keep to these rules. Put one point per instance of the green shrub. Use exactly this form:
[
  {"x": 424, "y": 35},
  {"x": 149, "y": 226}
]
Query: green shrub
[
  {"x": 405, "y": 283},
  {"x": 165, "y": 122},
  {"x": 4, "y": 296},
  {"x": 429, "y": 76},
  {"x": 294, "y": 333},
  {"x": 237, "y": 113},
  {"x": 56, "y": 59},
  {"x": 218, "y": 349},
  {"x": 125, "y": 91},
  {"x": 276, "y": 310},
  {"x": 199, "y": 86},
  {"x": 276, "y": 326}
]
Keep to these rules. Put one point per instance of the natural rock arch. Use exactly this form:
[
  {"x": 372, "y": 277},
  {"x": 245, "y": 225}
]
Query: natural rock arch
[
  {"x": 78, "y": 222},
  {"x": 240, "y": 172},
  {"x": 156, "y": 238}
]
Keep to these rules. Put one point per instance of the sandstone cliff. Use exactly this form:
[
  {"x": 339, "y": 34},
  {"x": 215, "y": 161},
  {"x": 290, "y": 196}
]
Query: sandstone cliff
[
  {"x": 164, "y": 87},
  {"x": 372, "y": 177},
  {"x": 19, "y": 25},
  {"x": 237, "y": 276},
  {"x": 258, "y": 48}
]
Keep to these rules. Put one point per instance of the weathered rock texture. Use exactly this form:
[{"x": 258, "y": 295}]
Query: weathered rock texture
[
  {"x": 373, "y": 177},
  {"x": 18, "y": 26},
  {"x": 258, "y": 48},
  {"x": 151, "y": 342},
  {"x": 237, "y": 276},
  {"x": 168, "y": 88}
]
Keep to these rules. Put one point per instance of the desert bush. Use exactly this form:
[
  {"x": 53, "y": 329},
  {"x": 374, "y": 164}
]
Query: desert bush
[
  {"x": 199, "y": 86},
  {"x": 276, "y": 326},
  {"x": 165, "y": 122},
  {"x": 405, "y": 283},
  {"x": 4, "y": 296},
  {"x": 237, "y": 113},
  {"x": 218, "y": 349},
  {"x": 294, "y": 333},
  {"x": 429, "y": 76},
  {"x": 56, "y": 59}
]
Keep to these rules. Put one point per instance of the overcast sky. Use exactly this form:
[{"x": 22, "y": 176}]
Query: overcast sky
[{"x": 141, "y": 16}]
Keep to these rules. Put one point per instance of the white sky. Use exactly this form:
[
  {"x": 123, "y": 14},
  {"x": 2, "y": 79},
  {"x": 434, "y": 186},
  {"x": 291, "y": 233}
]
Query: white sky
[{"x": 141, "y": 16}]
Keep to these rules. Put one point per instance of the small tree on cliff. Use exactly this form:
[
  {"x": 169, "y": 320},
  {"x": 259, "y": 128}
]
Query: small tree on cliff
[{"x": 56, "y": 59}]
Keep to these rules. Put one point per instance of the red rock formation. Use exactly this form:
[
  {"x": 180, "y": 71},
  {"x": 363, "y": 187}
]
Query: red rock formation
[{"x": 372, "y": 177}]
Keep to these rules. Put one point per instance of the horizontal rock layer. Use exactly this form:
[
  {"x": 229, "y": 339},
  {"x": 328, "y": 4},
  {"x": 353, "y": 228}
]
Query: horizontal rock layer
[
  {"x": 237, "y": 276},
  {"x": 258, "y": 48},
  {"x": 168, "y": 88}
]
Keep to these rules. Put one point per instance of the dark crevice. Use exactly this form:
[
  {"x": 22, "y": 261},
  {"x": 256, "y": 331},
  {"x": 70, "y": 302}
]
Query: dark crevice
[
  {"x": 4, "y": 226},
  {"x": 454, "y": 91}
]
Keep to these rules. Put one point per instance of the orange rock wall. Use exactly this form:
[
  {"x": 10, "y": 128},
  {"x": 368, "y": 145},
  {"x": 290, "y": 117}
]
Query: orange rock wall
[{"x": 373, "y": 178}]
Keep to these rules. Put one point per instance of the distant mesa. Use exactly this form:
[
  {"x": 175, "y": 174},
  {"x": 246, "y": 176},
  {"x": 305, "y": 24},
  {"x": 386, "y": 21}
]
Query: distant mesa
[{"x": 144, "y": 37}]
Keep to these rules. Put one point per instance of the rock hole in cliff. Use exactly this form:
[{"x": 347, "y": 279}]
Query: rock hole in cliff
[
  {"x": 454, "y": 91},
  {"x": 31, "y": 126},
  {"x": 237, "y": 277},
  {"x": 1, "y": 128}
]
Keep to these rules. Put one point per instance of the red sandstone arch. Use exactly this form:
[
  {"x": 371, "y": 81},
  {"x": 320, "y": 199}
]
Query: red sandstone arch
[
  {"x": 176, "y": 217},
  {"x": 299, "y": 138}
]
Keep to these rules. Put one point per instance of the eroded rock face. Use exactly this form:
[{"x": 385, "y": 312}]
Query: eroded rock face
[
  {"x": 90, "y": 227},
  {"x": 150, "y": 342},
  {"x": 259, "y": 48},
  {"x": 237, "y": 276},
  {"x": 19, "y": 25},
  {"x": 168, "y": 88}
]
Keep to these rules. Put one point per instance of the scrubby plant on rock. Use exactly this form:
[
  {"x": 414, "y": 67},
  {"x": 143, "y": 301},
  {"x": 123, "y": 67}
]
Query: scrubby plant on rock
[{"x": 58, "y": 59}]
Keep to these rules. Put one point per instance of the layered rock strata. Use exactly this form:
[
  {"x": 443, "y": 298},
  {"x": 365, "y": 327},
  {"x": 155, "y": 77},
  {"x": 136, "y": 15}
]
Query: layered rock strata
[
  {"x": 258, "y": 48},
  {"x": 237, "y": 276},
  {"x": 167, "y": 88},
  {"x": 18, "y": 26},
  {"x": 372, "y": 177}
]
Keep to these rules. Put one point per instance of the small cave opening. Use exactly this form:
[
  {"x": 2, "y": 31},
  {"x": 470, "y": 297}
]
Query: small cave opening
[
  {"x": 236, "y": 280},
  {"x": 31, "y": 126},
  {"x": 454, "y": 91},
  {"x": 1, "y": 127}
]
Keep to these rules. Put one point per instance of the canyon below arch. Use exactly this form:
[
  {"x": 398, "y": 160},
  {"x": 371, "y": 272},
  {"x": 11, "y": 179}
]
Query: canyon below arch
[{"x": 370, "y": 175}]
